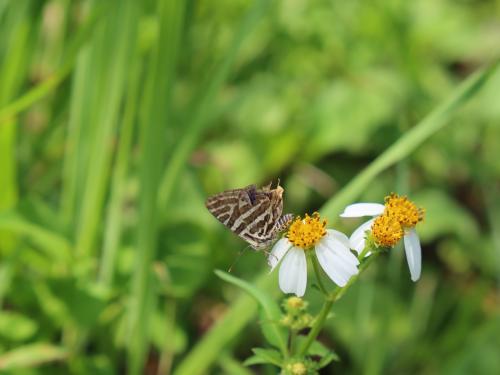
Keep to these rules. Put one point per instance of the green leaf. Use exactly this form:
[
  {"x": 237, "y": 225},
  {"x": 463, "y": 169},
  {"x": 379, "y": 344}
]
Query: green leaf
[
  {"x": 16, "y": 327},
  {"x": 83, "y": 303},
  {"x": 155, "y": 120},
  {"x": 232, "y": 366},
  {"x": 329, "y": 357},
  {"x": 95, "y": 365},
  {"x": 54, "y": 245},
  {"x": 188, "y": 260},
  {"x": 270, "y": 311},
  {"x": 254, "y": 360},
  {"x": 264, "y": 356},
  {"x": 31, "y": 355},
  {"x": 166, "y": 334},
  {"x": 318, "y": 349}
]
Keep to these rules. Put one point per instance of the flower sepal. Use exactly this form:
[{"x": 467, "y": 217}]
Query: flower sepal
[{"x": 373, "y": 246}]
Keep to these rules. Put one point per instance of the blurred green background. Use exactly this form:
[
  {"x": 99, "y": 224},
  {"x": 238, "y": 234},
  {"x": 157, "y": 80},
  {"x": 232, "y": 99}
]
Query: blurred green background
[{"x": 118, "y": 118}]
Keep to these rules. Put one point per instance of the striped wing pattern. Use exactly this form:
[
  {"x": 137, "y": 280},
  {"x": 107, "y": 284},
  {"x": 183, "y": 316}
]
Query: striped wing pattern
[{"x": 253, "y": 214}]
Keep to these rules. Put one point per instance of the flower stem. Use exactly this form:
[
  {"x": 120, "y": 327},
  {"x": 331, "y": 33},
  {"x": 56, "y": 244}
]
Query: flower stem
[
  {"x": 318, "y": 324},
  {"x": 293, "y": 336},
  {"x": 330, "y": 300},
  {"x": 314, "y": 261}
]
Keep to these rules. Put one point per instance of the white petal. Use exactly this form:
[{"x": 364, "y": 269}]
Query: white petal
[
  {"x": 339, "y": 236},
  {"x": 279, "y": 249},
  {"x": 338, "y": 262},
  {"x": 340, "y": 247},
  {"x": 358, "y": 237},
  {"x": 333, "y": 267},
  {"x": 363, "y": 209},
  {"x": 293, "y": 272},
  {"x": 413, "y": 253}
]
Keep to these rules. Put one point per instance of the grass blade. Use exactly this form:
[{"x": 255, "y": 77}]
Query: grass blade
[
  {"x": 153, "y": 118},
  {"x": 114, "y": 216},
  {"x": 203, "y": 103},
  {"x": 115, "y": 38},
  {"x": 46, "y": 87}
]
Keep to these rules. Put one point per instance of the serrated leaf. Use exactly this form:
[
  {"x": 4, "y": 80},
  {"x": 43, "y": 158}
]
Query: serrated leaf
[
  {"x": 318, "y": 349},
  {"x": 329, "y": 357},
  {"x": 254, "y": 360},
  {"x": 270, "y": 311},
  {"x": 262, "y": 356}
]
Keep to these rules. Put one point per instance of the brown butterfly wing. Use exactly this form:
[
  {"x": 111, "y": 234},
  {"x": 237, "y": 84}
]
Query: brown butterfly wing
[
  {"x": 225, "y": 206},
  {"x": 249, "y": 212}
]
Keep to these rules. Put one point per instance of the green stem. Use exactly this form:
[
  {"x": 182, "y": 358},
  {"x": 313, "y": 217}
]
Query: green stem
[
  {"x": 331, "y": 299},
  {"x": 293, "y": 336},
  {"x": 314, "y": 261},
  {"x": 318, "y": 325},
  {"x": 363, "y": 253}
]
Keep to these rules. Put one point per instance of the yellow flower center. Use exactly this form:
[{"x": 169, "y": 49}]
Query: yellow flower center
[
  {"x": 387, "y": 231},
  {"x": 403, "y": 210},
  {"x": 306, "y": 232}
]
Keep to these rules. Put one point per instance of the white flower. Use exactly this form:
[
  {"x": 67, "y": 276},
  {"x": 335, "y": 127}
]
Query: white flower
[
  {"x": 331, "y": 249},
  {"x": 404, "y": 213}
]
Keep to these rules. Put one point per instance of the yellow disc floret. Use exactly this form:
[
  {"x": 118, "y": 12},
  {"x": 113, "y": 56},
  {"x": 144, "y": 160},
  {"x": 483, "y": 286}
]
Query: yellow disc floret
[
  {"x": 403, "y": 210},
  {"x": 306, "y": 232},
  {"x": 387, "y": 231}
]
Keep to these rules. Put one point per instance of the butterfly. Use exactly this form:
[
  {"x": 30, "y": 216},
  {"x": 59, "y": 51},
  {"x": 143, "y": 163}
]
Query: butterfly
[{"x": 253, "y": 214}]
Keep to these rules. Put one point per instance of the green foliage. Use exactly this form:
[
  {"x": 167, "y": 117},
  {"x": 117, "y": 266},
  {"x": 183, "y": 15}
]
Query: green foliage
[
  {"x": 263, "y": 356},
  {"x": 30, "y": 356},
  {"x": 118, "y": 118}
]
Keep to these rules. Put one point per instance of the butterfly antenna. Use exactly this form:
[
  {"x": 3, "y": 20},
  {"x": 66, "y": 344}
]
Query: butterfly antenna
[{"x": 240, "y": 253}]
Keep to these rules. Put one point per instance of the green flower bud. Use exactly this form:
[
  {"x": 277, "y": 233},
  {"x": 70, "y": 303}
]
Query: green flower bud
[
  {"x": 298, "y": 368},
  {"x": 295, "y": 304}
]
